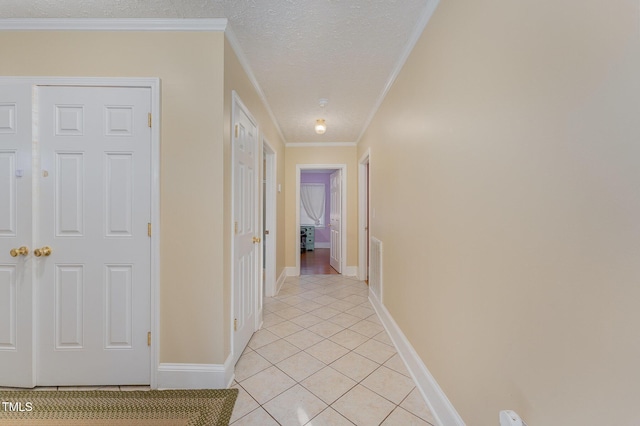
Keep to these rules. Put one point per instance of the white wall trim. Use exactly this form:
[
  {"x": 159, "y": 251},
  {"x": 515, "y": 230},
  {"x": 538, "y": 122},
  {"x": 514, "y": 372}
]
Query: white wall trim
[
  {"x": 244, "y": 63},
  {"x": 259, "y": 319},
  {"x": 350, "y": 271},
  {"x": 322, "y": 245},
  {"x": 319, "y": 144},
  {"x": 364, "y": 184},
  {"x": 292, "y": 271},
  {"x": 155, "y": 234},
  {"x": 270, "y": 202},
  {"x": 111, "y": 24},
  {"x": 442, "y": 409},
  {"x": 280, "y": 282},
  {"x": 196, "y": 376},
  {"x": 418, "y": 29},
  {"x": 229, "y": 371}
]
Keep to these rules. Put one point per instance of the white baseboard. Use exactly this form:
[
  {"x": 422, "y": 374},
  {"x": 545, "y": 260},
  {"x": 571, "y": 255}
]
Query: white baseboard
[
  {"x": 280, "y": 281},
  {"x": 442, "y": 409},
  {"x": 196, "y": 376},
  {"x": 292, "y": 271},
  {"x": 350, "y": 271},
  {"x": 322, "y": 245}
]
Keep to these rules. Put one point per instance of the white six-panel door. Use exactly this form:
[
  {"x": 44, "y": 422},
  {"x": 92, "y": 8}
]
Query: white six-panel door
[
  {"x": 93, "y": 212},
  {"x": 246, "y": 233},
  {"x": 335, "y": 251},
  {"x": 84, "y": 219},
  {"x": 15, "y": 232}
]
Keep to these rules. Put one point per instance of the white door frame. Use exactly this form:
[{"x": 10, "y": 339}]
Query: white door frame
[
  {"x": 270, "y": 201},
  {"x": 236, "y": 103},
  {"x": 154, "y": 85},
  {"x": 343, "y": 211},
  {"x": 363, "y": 220}
]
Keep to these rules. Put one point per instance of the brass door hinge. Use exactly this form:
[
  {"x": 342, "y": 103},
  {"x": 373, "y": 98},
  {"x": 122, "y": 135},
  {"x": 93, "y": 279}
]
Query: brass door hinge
[
  {"x": 149, "y": 339},
  {"x": 237, "y": 130},
  {"x": 235, "y": 324},
  {"x": 235, "y": 228},
  {"x": 149, "y": 119},
  {"x": 149, "y": 229}
]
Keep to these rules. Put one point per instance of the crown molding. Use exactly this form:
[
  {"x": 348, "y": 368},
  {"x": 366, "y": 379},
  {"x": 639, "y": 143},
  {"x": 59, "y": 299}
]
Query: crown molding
[
  {"x": 415, "y": 36},
  {"x": 143, "y": 24},
  {"x": 319, "y": 144},
  {"x": 235, "y": 45}
]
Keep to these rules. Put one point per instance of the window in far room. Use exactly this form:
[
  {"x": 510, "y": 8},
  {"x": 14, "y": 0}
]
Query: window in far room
[{"x": 312, "y": 201}]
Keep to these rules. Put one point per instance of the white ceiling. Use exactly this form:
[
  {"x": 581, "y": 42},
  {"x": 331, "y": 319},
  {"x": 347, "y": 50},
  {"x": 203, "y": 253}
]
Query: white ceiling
[{"x": 298, "y": 51}]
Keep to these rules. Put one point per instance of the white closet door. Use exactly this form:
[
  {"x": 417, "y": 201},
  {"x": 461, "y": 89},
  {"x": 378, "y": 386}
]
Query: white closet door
[
  {"x": 15, "y": 231},
  {"x": 93, "y": 210}
]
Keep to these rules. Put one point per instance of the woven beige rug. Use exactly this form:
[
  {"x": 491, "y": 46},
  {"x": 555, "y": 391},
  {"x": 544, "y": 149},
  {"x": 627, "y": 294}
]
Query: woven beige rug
[{"x": 117, "y": 408}]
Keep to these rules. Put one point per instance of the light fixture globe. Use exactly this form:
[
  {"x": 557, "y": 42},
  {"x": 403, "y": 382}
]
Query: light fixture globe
[{"x": 321, "y": 126}]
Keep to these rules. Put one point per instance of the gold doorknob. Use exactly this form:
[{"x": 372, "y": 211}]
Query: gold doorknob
[
  {"x": 256, "y": 240},
  {"x": 44, "y": 251},
  {"x": 22, "y": 251}
]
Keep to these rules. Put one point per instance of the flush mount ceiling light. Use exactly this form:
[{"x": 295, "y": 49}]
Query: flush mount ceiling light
[{"x": 321, "y": 126}]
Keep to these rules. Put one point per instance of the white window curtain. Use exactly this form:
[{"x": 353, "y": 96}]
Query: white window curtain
[{"x": 312, "y": 199}]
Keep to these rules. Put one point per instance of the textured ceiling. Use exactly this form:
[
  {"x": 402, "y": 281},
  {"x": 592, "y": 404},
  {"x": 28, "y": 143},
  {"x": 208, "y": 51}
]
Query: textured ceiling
[{"x": 298, "y": 50}]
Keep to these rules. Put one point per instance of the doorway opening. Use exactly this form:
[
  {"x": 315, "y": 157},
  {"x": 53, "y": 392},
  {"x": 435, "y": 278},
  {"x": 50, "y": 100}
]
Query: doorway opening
[{"x": 321, "y": 209}]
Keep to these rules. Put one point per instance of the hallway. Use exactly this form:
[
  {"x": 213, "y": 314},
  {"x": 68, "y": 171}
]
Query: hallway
[{"x": 323, "y": 358}]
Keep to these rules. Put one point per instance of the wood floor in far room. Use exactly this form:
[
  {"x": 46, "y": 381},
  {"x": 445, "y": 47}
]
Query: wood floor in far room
[{"x": 316, "y": 262}]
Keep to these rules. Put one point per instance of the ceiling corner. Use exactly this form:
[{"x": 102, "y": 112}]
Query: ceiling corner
[
  {"x": 244, "y": 63},
  {"x": 418, "y": 29}
]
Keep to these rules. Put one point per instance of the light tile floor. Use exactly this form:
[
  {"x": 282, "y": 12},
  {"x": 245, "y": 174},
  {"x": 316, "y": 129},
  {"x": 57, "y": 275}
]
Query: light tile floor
[{"x": 321, "y": 358}]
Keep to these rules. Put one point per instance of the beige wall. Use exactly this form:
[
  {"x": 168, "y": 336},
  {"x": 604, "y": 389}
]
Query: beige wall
[
  {"x": 190, "y": 66},
  {"x": 505, "y": 178},
  {"x": 321, "y": 155},
  {"x": 236, "y": 79}
]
